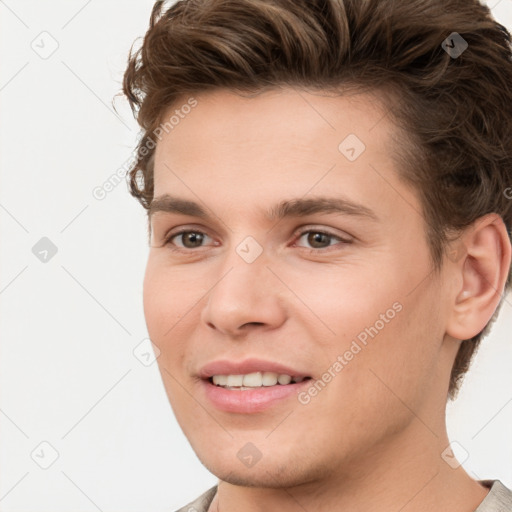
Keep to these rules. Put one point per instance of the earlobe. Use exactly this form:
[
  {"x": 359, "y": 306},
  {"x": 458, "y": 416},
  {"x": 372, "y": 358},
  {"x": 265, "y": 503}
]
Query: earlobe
[{"x": 483, "y": 268}]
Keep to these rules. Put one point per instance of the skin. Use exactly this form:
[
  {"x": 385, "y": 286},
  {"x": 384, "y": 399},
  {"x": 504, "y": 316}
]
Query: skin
[{"x": 372, "y": 439}]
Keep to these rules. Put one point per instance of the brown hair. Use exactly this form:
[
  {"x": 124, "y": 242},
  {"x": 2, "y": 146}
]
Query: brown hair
[{"x": 457, "y": 110}]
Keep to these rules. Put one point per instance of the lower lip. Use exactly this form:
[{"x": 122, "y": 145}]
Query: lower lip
[{"x": 250, "y": 400}]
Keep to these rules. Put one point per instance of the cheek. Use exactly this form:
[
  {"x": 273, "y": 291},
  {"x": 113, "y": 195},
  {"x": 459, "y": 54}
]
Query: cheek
[
  {"x": 168, "y": 295},
  {"x": 365, "y": 401},
  {"x": 159, "y": 302},
  {"x": 345, "y": 303},
  {"x": 171, "y": 309},
  {"x": 386, "y": 336},
  {"x": 397, "y": 362},
  {"x": 163, "y": 310}
]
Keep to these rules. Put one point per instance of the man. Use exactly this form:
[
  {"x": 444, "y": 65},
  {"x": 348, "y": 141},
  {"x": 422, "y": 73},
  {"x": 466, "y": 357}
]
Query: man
[{"x": 325, "y": 184}]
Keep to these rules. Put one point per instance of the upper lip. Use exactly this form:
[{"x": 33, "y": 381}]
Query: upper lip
[{"x": 226, "y": 367}]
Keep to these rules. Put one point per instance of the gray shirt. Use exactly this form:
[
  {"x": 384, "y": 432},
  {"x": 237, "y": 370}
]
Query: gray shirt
[{"x": 499, "y": 499}]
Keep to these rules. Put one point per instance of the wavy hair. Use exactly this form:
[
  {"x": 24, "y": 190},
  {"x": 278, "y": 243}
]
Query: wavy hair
[{"x": 457, "y": 112}]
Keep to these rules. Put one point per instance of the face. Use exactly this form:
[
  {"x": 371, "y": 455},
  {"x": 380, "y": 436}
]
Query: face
[{"x": 336, "y": 286}]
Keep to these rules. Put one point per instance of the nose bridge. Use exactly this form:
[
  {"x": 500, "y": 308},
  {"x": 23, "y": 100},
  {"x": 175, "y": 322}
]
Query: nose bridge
[
  {"x": 245, "y": 276},
  {"x": 245, "y": 291}
]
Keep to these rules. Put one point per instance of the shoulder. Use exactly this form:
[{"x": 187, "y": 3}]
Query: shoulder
[
  {"x": 499, "y": 498},
  {"x": 201, "y": 503}
]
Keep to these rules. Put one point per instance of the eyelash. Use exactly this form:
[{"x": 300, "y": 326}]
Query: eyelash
[{"x": 297, "y": 235}]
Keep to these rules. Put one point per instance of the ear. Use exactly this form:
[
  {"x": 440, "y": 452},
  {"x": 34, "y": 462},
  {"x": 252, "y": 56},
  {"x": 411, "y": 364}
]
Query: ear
[{"x": 481, "y": 262}]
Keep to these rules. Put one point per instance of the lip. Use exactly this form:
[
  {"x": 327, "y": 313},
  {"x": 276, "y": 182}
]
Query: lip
[
  {"x": 251, "y": 400},
  {"x": 251, "y": 365}
]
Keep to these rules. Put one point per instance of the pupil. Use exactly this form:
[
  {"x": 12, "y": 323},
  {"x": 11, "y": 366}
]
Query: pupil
[
  {"x": 193, "y": 237},
  {"x": 316, "y": 238}
]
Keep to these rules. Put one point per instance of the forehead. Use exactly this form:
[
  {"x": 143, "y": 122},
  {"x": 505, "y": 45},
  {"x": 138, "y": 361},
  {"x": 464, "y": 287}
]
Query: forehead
[
  {"x": 284, "y": 124},
  {"x": 286, "y": 142}
]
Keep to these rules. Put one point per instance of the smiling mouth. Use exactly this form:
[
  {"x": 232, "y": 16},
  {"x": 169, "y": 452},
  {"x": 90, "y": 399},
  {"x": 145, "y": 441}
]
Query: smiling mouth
[{"x": 255, "y": 380}]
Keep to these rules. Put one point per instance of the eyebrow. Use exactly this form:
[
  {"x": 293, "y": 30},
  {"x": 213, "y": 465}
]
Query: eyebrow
[{"x": 288, "y": 208}]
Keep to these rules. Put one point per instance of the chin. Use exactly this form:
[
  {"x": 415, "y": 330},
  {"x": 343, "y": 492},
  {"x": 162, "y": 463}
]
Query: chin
[{"x": 273, "y": 472}]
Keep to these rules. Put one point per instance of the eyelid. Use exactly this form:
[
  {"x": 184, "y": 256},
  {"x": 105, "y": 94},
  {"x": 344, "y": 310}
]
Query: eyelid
[
  {"x": 320, "y": 229},
  {"x": 168, "y": 235},
  {"x": 298, "y": 233},
  {"x": 312, "y": 229}
]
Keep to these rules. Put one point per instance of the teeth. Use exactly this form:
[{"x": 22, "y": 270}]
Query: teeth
[
  {"x": 269, "y": 379},
  {"x": 254, "y": 380},
  {"x": 235, "y": 380},
  {"x": 220, "y": 380},
  {"x": 284, "y": 379}
]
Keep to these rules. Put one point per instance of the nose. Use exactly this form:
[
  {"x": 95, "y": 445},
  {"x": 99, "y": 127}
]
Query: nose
[{"x": 246, "y": 296}]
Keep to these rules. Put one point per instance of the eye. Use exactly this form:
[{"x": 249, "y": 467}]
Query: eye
[
  {"x": 319, "y": 239},
  {"x": 190, "y": 239}
]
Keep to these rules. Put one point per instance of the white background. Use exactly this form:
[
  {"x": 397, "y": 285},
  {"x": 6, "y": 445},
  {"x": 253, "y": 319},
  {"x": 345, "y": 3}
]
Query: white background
[{"x": 68, "y": 373}]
